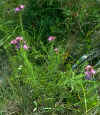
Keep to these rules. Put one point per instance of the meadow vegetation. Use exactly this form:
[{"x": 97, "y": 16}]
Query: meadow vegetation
[{"x": 49, "y": 57}]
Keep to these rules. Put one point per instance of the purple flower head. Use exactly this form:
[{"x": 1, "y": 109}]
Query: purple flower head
[
  {"x": 17, "y": 9},
  {"x": 88, "y": 75},
  {"x": 56, "y": 49},
  {"x": 93, "y": 71},
  {"x": 21, "y": 6},
  {"x": 89, "y": 71},
  {"x": 13, "y": 42},
  {"x": 89, "y": 68},
  {"x": 19, "y": 38},
  {"x": 51, "y": 38},
  {"x": 25, "y": 47},
  {"x": 18, "y": 45}
]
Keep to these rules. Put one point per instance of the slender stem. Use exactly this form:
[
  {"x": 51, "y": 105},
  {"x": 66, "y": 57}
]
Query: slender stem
[
  {"x": 21, "y": 24},
  {"x": 85, "y": 100}
]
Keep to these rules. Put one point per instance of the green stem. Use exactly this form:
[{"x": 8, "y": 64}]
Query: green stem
[
  {"x": 21, "y": 24},
  {"x": 85, "y": 100}
]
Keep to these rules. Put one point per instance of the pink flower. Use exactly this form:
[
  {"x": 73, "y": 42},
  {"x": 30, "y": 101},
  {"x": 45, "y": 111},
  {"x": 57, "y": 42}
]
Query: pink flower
[
  {"x": 88, "y": 67},
  {"x": 93, "y": 71},
  {"x": 25, "y": 47},
  {"x": 89, "y": 71},
  {"x": 13, "y": 42},
  {"x": 19, "y": 38},
  {"x": 56, "y": 50},
  {"x": 22, "y": 6},
  {"x": 17, "y": 9},
  {"x": 51, "y": 38}
]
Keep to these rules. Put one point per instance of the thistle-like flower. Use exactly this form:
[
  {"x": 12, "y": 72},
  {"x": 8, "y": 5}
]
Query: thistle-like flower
[{"x": 89, "y": 72}]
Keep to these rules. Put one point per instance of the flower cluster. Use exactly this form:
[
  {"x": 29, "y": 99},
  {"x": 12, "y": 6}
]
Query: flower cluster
[
  {"x": 17, "y": 9},
  {"x": 18, "y": 41},
  {"x": 89, "y": 72}
]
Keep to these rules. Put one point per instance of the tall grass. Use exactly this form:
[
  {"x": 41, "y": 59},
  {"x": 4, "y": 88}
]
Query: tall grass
[{"x": 40, "y": 80}]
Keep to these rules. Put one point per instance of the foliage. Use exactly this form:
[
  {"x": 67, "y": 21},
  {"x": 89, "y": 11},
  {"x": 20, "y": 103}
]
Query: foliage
[{"x": 41, "y": 80}]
